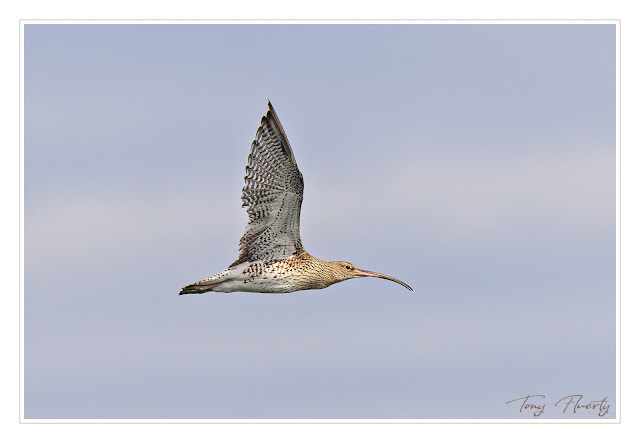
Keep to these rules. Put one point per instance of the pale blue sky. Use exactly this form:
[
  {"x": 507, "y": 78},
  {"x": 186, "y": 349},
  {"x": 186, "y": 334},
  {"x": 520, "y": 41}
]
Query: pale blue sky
[{"x": 474, "y": 162}]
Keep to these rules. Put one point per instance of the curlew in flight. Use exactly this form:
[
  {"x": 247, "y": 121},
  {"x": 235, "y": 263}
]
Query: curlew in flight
[{"x": 272, "y": 258}]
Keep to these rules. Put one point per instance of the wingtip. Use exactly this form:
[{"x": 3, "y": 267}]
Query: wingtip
[
  {"x": 271, "y": 117},
  {"x": 270, "y": 109}
]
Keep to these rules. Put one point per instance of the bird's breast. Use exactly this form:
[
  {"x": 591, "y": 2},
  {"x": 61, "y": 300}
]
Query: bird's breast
[{"x": 295, "y": 273}]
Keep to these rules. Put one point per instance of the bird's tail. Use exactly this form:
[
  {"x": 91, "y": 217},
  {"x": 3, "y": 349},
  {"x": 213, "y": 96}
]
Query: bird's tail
[
  {"x": 212, "y": 283},
  {"x": 199, "y": 288},
  {"x": 207, "y": 285}
]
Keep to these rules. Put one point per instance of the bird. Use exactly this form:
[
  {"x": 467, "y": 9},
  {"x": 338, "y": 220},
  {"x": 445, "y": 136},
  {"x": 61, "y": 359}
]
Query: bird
[{"x": 272, "y": 258}]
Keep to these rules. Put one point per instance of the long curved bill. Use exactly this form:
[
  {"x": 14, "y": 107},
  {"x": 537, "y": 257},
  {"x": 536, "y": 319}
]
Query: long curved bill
[{"x": 363, "y": 273}]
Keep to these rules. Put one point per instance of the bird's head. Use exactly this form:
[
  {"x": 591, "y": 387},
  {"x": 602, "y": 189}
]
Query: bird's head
[{"x": 343, "y": 270}]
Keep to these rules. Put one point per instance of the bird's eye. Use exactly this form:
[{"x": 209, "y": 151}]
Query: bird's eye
[{"x": 348, "y": 267}]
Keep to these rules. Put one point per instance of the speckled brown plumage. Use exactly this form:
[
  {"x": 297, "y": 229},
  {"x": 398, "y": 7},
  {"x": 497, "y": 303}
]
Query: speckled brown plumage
[
  {"x": 272, "y": 258},
  {"x": 302, "y": 269}
]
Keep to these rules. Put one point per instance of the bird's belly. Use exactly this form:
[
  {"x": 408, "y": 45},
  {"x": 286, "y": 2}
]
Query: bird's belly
[{"x": 256, "y": 284}]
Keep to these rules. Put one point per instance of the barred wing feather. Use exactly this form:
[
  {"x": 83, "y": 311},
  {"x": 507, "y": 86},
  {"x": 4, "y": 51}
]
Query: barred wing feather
[{"x": 273, "y": 196}]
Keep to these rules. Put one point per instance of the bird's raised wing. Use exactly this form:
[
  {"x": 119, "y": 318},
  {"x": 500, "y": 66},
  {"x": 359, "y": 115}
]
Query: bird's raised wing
[{"x": 273, "y": 194}]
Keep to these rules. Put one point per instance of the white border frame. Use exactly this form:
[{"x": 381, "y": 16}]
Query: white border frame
[{"x": 321, "y": 421}]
